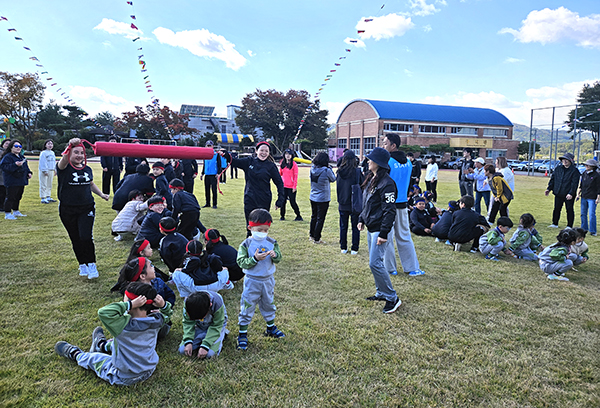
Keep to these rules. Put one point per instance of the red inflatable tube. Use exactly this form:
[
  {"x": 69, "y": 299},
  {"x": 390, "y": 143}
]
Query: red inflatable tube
[{"x": 153, "y": 151}]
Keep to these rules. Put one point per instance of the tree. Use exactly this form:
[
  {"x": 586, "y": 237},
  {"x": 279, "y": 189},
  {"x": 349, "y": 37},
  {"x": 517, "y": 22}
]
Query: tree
[
  {"x": 105, "y": 118},
  {"x": 20, "y": 98},
  {"x": 589, "y": 93},
  {"x": 440, "y": 148},
  {"x": 279, "y": 115},
  {"x": 153, "y": 122},
  {"x": 523, "y": 149}
]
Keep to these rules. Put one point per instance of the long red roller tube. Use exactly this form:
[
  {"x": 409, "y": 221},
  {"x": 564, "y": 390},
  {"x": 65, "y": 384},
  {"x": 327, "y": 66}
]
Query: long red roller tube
[{"x": 154, "y": 151}]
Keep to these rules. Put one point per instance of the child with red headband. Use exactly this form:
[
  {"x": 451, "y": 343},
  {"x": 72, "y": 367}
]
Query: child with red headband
[
  {"x": 257, "y": 256},
  {"x": 130, "y": 357},
  {"x": 185, "y": 208},
  {"x": 161, "y": 183},
  {"x": 157, "y": 209},
  {"x": 217, "y": 244},
  {"x": 172, "y": 245}
]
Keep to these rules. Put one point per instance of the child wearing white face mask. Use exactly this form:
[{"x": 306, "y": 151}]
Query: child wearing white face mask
[
  {"x": 257, "y": 256},
  {"x": 579, "y": 250}
]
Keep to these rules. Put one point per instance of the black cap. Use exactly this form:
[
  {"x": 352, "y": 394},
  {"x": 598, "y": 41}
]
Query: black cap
[{"x": 380, "y": 156}]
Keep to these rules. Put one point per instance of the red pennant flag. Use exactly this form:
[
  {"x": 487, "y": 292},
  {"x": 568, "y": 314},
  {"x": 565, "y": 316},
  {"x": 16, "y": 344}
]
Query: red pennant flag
[
  {"x": 133, "y": 26},
  {"x": 53, "y": 84},
  {"x": 347, "y": 50},
  {"x": 130, "y": 3},
  {"x": 361, "y": 31},
  {"x": 132, "y": 17},
  {"x": 3, "y": 18},
  {"x": 12, "y": 29},
  {"x": 368, "y": 20},
  {"x": 337, "y": 65},
  {"x": 332, "y": 70}
]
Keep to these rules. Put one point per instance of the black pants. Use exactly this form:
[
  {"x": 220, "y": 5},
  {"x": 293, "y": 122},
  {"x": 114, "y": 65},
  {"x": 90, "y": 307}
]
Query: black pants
[
  {"x": 79, "y": 223},
  {"x": 210, "y": 184},
  {"x": 317, "y": 218},
  {"x": 232, "y": 170},
  {"x": 235, "y": 272},
  {"x": 344, "y": 217},
  {"x": 2, "y": 196},
  {"x": 107, "y": 176},
  {"x": 420, "y": 231},
  {"x": 13, "y": 198},
  {"x": 474, "y": 235},
  {"x": 432, "y": 188},
  {"x": 188, "y": 222},
  {"x": 498, "y": 206},
  {"x": 223, "y": 178},
  {"x": 289, "y": 194},
  {"x": 558, "y": 204}
]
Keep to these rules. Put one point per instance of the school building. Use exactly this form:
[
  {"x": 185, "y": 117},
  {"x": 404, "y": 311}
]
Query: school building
[{"x": 363, "y": 123}]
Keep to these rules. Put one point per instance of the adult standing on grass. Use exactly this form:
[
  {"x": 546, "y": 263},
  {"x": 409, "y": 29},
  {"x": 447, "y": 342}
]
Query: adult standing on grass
[
  {"x": 431, "y": 178},
  {"x": 260, "y": 171},
  {"x": 321, "y": 176},
  {"x": 379, "y": 197},
  {"x": 111, "y": 170},
  {"x": 210, "y": 170},
  {"x": 400, "y": 171},
  {"x": 465, "y": 178},
  {"x": 16, "y": 175},
  {"x": 563, "y": 184},
  {"x": 502, "y": 167},
  {"x": 3, "y": 148},
  {"x": 589, "y": 193},
  {"x": 481, "y": 186},
  {"x": 77, "y": 209},
  {"x": 415, "y": 175},
  {"x": 348, "y": 175},
  {"x": 47, "y": 171}
]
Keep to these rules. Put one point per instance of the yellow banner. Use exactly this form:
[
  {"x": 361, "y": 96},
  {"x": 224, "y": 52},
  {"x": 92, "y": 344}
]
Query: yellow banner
[{"x": 471, "y": 142}]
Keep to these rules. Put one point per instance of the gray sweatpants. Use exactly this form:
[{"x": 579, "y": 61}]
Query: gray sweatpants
[
  {"x": 486, "y": 248},
  {"x": 557, "y": 268},
  {"x": 259, "y": 292},
  {"x": 404, "y": 242}
]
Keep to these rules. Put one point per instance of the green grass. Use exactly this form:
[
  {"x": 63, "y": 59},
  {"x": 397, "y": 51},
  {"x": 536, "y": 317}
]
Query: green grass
[{"x": 469, "y": 333}]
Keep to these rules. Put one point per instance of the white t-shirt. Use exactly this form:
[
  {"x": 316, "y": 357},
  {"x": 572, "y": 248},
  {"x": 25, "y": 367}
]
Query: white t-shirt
[
  {"x": 509, "y": 177},
  {"x": 432, "y": 172}
]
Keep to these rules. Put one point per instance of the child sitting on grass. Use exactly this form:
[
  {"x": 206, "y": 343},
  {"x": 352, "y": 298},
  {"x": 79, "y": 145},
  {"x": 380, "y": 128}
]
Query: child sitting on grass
[
  {"x": 492, "y": 242},
  {"x": 579, "y": 251},
  {"x": 141, "y": 247},
  {"x": 441, "y": 228},
  {"x": 217, "y": 244},
  {"x": 185, "y": 208},
  {"x": 161, "y": 183},
  {"x": 526, "y": 240},
  {"x": 201, "y": 272},
  {"x": 127, "y": 220},
  {"x": 149, "y": 230},
  {"x": 172, "y": 245},
  {"x": 466, "y": 225},
  {"x": 204, "y": 325},
  {"x": 257, "y": 256},
  {"x": 554, "y": 260},
  {"x": 130, "y": 357},
  {"x": 420, "y": 220}
]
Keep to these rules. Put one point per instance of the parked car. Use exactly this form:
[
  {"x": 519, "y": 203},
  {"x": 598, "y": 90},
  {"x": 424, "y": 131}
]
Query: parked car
[
  {"x": 425, "y": 159},
  {"x": 444, "y": 165},
  {"x": 523, "y": 166},
  {"x": 549, "y": 166},
  {"x": 452, "y": 164},
  {"x": 538, "y": 163},
  {"x": 512, "y": 163}
]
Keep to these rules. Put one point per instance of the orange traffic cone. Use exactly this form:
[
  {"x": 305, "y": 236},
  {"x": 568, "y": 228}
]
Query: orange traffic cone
[{"x": 546, "y": 173}]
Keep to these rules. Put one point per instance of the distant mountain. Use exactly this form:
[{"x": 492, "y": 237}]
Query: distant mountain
[{"x": 521, "y": 132}]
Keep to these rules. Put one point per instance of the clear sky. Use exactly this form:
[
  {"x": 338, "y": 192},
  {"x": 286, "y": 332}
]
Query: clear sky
[{"x": 508, "y": 55}]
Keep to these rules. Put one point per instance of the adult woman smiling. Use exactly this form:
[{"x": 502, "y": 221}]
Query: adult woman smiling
[
  {"x": 77, "y": 210},
  {"x": 16, "y": 175},
  {"x": 260, "y": 171}
]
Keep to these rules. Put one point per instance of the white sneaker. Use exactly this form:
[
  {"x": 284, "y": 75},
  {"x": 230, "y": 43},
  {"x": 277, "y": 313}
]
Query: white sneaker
[
  {"x": 344, "y": 251},
  {"x": 83, "y": 270},
  {"x": 92, "y": 271},
  {"x": 44, "y": 201},
  {"x": 18, "y": 214},
  {"x": 457, "y": 247},
  {"x": 119, "y": 238},
  {"x": 438, "y": 240},
  {"x": 552, "y": 226},
  {"x": 9, "y": 216},
  {"x": 228, "y": 285},
  {"x": 353, "y": 252}
]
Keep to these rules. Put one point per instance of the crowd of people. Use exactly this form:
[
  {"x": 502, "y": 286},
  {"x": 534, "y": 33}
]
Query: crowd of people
[{"x": 161, "y": 212}]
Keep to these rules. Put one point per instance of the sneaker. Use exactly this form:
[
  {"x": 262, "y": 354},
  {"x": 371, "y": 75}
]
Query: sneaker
[
  {"x": 83, "y": 270},
  {"x": 393, "y": 273},
  {"x": 438, "y": 240},
  {"x": 214, "y": 207},
  {"x": 448, "y": 242},
  {"x": 311, "y": 239},
  {"x": 242, "y": 342},
  {"x": 593, "y": 234},
  {"x": 318, "y": 242},
  {"x": 67, "y": 350},
  {"x": 298, "y": 218},
  {"x": 474, "y": 250},
  {"x": 119, "y": 237},
  {"x": 552, "y": 226},
  {"x": 558, "y": 278},
  {"x": 281, "y": 218},
  {"x": 45, "y": 201},
  {"x": 206, "y": 206},
  {"x": 392, "y": 305},
  {"x": 418, "y": 272},
  {"x": 353, "y": 252},
  {"x": 50, "y": 200},
  {"x": 457, "y": 247},
  {"x": 18, "y": 214},
  {"x": 97, "y": 337},
  {"x": 376, "y": 298},
  {"x": 344, "y": 251},
  {"x": 9, "y": 216},
  {"x": 228, "y": 285},
  {"x": 492, "y": 257},
  {"x": 92, "y": 271},
  {"x": 274, "y": 332}
]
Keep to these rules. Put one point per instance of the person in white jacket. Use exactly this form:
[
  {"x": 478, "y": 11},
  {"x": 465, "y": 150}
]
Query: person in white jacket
[
  {"x": 47, "y": 170},
  {"x": 127, "y": 219}
]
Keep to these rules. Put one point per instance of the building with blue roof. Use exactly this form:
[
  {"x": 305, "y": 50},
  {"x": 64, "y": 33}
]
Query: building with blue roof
[{"x": 363, "y": 122}]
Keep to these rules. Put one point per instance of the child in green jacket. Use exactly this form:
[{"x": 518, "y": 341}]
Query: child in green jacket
[
  {"x": 492, "y": 242},
  {"x": 526, "y": 240},
  {"x": 554, "y": 260}
]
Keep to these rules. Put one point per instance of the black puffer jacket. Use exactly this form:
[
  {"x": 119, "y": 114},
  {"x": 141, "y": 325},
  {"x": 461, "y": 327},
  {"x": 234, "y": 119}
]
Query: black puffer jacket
[
  {"x": 564, "y": 180},
  {"x": 379, "y": 208}
]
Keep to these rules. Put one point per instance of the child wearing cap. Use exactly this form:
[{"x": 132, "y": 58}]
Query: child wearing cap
[
  {"x": 149, "y": 229},
  {"x": 130, "y": 357},
  {"x": 257, "y": 256},
  {"x": 161, "y": 183},
  {"x": 420, "y": 220},
  {"x": 185, "y": 208},
  {"x": 442, "y": 227},
  {"x": 172, "y": 245},
  {"x": 491, "y": 243},
  {"x": 127, "y": 219},
  {"x": 480, "y": 185},
  {"x": 204, "y": 325}
]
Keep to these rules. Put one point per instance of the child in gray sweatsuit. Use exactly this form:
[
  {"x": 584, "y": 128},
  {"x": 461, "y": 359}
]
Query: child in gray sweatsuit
[{"x": 257, "y": 256}]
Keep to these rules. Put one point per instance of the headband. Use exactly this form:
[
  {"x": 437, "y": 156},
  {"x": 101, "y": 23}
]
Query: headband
[
  {"x": 187, "y": 248},
  {"x": 257, "y": 224},
  {"x": 214, "y": 241},
  {"x": 132, "y": 296},
  {"x": 164, "y": 201},
  {"x": 142, "y": 264},
  {"x": 259, "y": 144},
  {"x": 178, "y": 187},
  {"x": 163, "y": 229},
  {"x": 143, "y": 246}
]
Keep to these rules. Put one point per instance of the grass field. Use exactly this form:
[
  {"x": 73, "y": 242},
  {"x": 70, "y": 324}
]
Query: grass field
[{"x": 469, "y": 333}]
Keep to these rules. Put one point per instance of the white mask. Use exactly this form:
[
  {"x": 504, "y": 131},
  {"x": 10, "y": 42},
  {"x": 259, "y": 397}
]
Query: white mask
[
  {"x": 579, "y": 243},
  {"x": 259, "y": 235}
]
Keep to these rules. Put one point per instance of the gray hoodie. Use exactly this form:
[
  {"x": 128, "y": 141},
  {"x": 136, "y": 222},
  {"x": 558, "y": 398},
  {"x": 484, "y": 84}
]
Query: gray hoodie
[{"x": 320, "y": 190}]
